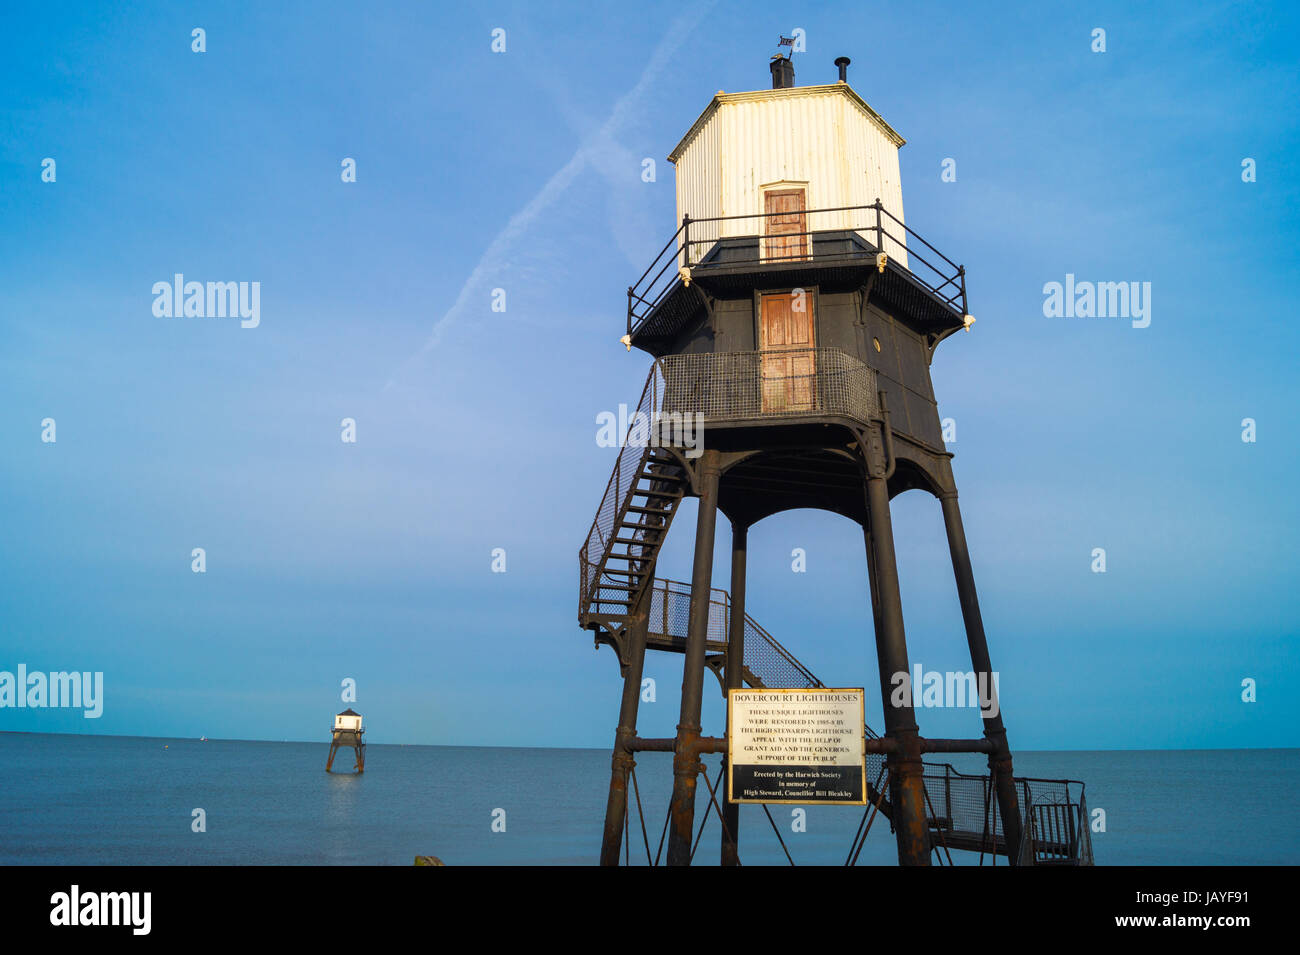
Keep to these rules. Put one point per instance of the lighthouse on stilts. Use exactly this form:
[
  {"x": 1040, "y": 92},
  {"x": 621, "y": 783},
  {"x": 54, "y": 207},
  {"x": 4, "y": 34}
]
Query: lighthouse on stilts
[
  {"x": 348, "y": 732},
  {"x": 792, "y": 319}
]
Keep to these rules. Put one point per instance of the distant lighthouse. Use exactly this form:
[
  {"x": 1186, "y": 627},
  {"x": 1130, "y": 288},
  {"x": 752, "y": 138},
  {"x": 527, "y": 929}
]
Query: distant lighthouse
[{"x": 348, "y": 732}]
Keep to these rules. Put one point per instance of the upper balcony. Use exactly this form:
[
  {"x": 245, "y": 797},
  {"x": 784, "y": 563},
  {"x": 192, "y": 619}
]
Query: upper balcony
[
  {"x": 791, "y": 249},
  {"x": 740, "y": 390}
]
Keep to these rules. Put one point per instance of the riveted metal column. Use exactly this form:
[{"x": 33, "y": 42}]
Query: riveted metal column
[
  {"x": 1000, "y": 758},
  {"x": 616, "y": 807},
  {"x": 734, "y": 678},
  {"x": 906, "y": 785},
  {"x": 686, "y": 758},
  {"x": 871, "y": 575}
]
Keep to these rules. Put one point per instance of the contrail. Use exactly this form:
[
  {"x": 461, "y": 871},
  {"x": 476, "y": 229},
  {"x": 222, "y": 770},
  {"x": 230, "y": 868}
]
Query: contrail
[{"x": 492, "y": 258}]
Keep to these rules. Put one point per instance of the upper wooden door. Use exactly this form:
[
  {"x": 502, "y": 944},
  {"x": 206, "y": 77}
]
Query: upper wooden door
[
  {"x": 785, "y": 237},
  {"x": 787, "y": 335}
]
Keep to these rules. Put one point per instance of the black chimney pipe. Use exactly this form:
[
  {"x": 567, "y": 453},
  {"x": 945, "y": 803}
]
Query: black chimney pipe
[
  {"x": 782, "y": 72},
  {"x": 843, "y": 63}
]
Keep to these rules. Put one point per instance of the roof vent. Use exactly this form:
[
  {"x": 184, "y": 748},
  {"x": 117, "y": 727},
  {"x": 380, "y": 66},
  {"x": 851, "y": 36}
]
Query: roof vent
[{"x": 843, "y": 63}]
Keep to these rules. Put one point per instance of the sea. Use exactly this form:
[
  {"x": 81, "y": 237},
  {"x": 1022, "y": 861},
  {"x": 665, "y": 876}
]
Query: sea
[{"x": 111, "y": 800}]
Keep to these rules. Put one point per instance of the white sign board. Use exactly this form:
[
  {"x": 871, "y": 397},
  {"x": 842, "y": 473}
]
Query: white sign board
[{"x": 796, "y": 746}]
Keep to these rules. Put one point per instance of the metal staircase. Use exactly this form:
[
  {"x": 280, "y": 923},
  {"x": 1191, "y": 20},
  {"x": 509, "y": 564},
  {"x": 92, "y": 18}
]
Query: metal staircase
[
  {"x": 617, "y": 563},
  {"x": 617, "y": 560}
]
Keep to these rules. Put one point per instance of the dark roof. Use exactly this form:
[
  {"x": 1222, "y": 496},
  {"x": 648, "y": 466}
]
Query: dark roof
[{"x": 349, "y": 712}]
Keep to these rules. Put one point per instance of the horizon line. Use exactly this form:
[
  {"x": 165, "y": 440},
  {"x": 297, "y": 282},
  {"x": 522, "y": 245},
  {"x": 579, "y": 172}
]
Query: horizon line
[{"x": 601, "y": 749}]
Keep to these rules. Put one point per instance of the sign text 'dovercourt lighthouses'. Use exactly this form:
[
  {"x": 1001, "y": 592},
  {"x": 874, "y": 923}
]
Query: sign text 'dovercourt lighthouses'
[{"x": 792, "y": 319}]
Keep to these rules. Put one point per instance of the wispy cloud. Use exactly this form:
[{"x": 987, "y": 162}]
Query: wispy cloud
[{"x": 593, "y": 151}]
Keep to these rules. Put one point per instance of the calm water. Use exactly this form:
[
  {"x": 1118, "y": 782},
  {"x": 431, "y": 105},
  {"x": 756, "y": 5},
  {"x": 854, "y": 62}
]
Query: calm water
[{"x": 122, "y": 800}]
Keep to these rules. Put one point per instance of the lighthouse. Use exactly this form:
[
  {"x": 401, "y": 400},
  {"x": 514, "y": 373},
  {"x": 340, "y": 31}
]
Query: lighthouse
[
  {"x": 791, "y": 320},
  {"x": 348, "y": 731}
]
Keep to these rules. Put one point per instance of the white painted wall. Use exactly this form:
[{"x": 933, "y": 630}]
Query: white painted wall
[{"x": 819, "y": 135}]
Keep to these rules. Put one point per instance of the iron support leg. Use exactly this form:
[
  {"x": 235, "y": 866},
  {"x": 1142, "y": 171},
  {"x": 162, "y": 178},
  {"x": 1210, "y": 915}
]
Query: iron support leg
[
  {"x": 734, "y": 677},
  {"x": 616, "y": 807},
  {"x": 994, "y": 731},
  {"x": 906, "y": 783},
  {"x": 686, "y": 758}
]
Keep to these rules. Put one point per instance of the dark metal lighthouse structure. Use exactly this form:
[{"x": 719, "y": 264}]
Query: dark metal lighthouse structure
[{"x": 792, "y": 319}]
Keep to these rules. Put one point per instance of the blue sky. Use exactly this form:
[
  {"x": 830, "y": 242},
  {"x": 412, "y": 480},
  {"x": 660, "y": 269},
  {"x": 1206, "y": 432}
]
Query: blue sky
[{"x": 476, "y": 429}]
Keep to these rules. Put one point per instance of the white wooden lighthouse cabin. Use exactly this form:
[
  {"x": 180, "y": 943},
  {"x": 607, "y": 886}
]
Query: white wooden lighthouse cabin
[
  {"x": 348, "y": 720},
  {"x": 348, "y": 732},
  {"x": 813, "y": 155}
]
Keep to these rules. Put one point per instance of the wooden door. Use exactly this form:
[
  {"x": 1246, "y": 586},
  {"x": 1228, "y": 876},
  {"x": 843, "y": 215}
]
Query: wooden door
[
  {"x": 787, "y": 338},
  {"x": 785, "y": 234}
]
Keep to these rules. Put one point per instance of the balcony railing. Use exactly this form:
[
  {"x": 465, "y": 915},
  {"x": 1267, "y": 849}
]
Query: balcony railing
[
  {"x": 728, "y": 387},
  {"x": 835, "y": 235},
  {"x": 964, "y": 814}
]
